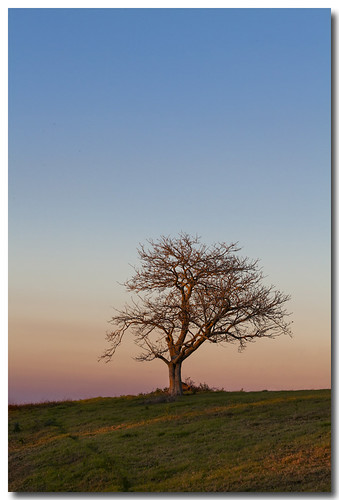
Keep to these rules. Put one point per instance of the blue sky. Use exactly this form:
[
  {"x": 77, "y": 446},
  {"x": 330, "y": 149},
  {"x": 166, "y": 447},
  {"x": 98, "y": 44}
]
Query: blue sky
[{"x": 126, "y": 124}]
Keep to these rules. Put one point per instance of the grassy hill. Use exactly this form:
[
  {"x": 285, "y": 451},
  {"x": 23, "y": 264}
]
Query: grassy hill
[{"x": 212, "y": 441}]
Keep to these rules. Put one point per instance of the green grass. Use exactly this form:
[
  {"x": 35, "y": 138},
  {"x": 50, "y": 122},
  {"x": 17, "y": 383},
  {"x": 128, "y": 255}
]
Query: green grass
[{"x": 206, "y": 442}]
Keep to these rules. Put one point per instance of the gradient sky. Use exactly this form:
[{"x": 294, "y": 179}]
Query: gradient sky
[{"x": 126, "y": 124}]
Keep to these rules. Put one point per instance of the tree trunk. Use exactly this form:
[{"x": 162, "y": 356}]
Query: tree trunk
[{"x": 175, "y": 385}]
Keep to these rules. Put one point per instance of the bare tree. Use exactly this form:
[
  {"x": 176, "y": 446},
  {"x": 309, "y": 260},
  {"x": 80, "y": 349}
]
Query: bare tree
[{"x": 187, "y": 294}]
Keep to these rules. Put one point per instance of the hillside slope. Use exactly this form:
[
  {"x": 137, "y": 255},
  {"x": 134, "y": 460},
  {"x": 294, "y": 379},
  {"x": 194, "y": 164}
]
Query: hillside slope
[{"x": 213, "y": 441}]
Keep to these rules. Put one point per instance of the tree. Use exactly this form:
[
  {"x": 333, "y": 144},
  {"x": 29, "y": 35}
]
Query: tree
[{"x": 188, "y": 293}]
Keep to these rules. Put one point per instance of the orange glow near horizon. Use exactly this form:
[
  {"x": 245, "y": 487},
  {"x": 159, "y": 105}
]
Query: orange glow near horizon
[{"x": 55, "y": 361}]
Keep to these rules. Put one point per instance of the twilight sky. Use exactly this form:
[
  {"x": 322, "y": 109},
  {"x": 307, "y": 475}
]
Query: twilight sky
[{"x": 126, "y": 124}]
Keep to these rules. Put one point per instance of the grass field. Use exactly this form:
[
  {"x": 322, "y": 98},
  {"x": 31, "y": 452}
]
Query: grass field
[{"x": 206, "y": 442}]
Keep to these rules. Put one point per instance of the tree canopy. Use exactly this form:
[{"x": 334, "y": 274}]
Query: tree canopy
[{"x": 187, "y": 293}]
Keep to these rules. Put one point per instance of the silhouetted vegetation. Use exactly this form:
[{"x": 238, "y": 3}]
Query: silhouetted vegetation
[{"x": 186, "y": 294}]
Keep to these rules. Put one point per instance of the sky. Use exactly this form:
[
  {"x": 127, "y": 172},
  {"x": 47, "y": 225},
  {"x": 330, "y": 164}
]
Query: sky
[{"x": 129, "y": 124}]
